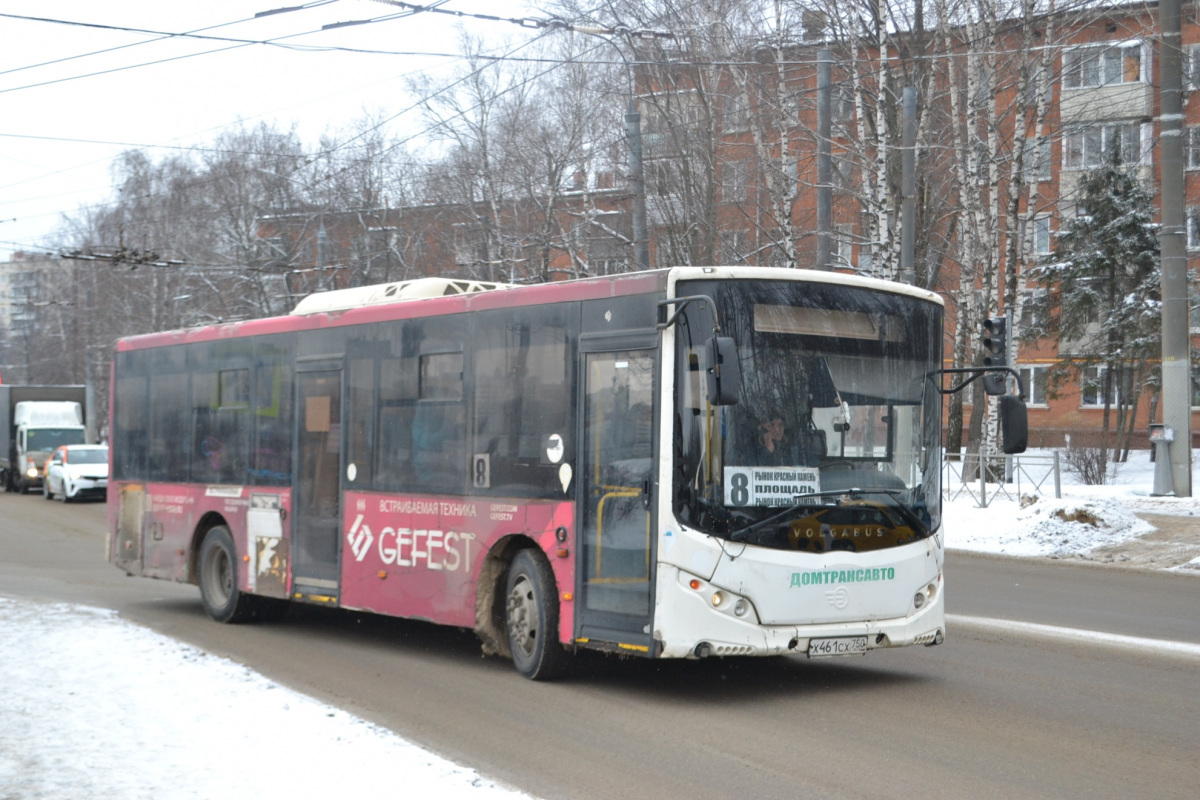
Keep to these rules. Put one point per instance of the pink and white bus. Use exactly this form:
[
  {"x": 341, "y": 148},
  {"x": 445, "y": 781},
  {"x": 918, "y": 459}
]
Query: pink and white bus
[{"x": 686, "y": 462}]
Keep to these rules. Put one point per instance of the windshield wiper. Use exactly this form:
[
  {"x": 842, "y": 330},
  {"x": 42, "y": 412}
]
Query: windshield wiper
[{"x": 909, "y": 515}]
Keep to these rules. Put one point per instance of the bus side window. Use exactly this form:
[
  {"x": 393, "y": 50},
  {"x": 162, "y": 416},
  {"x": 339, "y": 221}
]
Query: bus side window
[
  {"x": 360, "y": 434},
  {"x": 132, "y": 417},
  {"x": 438, "y": 439},
  {"x": 439, "y": 427},
  {"x": 273, "y": 398},
  {"x": 169, "y": 440},
  {"x": 397, "y": 406},
  {"x": 522, "y": 402}
]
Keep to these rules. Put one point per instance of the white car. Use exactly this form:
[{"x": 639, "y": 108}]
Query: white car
[{"x": 77, "y": 470}]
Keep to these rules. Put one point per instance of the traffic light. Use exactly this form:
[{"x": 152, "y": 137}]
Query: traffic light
[
  {"x": 995, "y": 342},
  {"x": 995, "y": 349}
]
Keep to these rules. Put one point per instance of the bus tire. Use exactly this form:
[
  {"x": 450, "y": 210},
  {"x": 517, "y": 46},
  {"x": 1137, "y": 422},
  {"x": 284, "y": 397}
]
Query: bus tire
[
  {"x": 218, "y": 578},
  {"x": 531, "y": 618}
]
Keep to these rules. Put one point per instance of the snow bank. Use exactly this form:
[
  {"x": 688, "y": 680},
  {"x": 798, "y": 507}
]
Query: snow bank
[
  {"x": 1087, "y": 517},
  {"x": 96, "y": 707},
  {"x": 1049, "y": 527}
]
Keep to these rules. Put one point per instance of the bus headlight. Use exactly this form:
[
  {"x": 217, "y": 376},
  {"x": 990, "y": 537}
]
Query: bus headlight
[
  {"x": 924, "y": 595},
  {"x": 720, "y": 599}
]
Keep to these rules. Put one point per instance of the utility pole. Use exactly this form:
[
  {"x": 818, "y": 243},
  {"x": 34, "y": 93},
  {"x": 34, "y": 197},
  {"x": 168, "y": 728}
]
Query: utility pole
[
  {"x": 633, "y": 131},
  {"x": 1176, "y": 342},
  {"x": 908, "y": 189},
  {"x": 637, "y": 182},
  {"x": 824, "y": 159}
]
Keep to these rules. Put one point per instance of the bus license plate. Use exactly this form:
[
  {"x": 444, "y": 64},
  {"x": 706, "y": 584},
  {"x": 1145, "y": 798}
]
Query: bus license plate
[{"x": 846, "y": 646}]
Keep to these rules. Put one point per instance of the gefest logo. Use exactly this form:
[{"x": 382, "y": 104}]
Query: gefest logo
[
  {"x": 359, "y": 538},
  {"x": 408, "y": 547}
]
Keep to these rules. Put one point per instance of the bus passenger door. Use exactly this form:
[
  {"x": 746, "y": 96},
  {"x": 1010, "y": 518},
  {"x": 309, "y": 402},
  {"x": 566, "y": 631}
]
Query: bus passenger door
[
  {"x": 617, "y": 480},
  {"x": 316, "y": 517}
]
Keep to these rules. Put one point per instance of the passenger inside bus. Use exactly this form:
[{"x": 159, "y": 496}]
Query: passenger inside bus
[
  {"x": 775, "y": 443},
  {"x": 770, "y": 443}
]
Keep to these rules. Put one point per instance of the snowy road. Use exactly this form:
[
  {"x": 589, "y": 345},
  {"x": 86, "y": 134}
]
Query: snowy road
[{"x": 989, "y": 713}]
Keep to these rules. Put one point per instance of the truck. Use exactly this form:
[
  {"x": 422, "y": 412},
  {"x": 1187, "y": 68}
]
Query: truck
[{"x": 37, "y": 419}]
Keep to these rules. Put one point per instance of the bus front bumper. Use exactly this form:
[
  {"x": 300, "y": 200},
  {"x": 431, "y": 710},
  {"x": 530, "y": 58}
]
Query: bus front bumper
[{"x": 689, "y": 625}]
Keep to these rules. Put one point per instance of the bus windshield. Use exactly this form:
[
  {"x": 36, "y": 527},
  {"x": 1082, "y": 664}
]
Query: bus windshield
[{"x": 834, "y": 442}]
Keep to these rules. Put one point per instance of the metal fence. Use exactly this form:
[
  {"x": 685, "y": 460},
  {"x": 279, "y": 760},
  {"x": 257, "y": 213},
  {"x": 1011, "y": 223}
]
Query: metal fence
[{"x": 1002, "y": 477}]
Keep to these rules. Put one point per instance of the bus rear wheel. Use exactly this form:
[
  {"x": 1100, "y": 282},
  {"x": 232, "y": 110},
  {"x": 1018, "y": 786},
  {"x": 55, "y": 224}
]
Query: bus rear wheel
[
  {"x": 531, "y": 618},
  {"x": 218, "y": 578}
]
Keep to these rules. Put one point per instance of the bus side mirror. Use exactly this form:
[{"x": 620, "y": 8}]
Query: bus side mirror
[
  {"x": 723, "y": 371},
  {"x": 1014, "y": 424}
]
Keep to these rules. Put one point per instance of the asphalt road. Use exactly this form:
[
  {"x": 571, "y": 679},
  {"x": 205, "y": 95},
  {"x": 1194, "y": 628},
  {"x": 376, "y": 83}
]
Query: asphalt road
[{"x": 985, "y": 715}]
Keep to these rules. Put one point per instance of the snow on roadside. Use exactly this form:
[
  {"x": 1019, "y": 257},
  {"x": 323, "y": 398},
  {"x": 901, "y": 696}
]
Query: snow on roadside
[
  {"x": 92, "y": 706},
  {"x": 1049, "y": 527},
  {"x": 1085, "y": 518}
]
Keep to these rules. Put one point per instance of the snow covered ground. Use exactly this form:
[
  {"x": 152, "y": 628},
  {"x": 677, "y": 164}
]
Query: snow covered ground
[
  {"x": 92, "y": 706},
  {"x": 1086, "y": 518},
  {"x": 91, "y": 695}
]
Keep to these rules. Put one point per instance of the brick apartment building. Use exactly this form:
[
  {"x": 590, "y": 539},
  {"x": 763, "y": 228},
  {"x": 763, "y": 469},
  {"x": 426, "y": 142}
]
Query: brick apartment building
[{"x": 720, "y": 161}]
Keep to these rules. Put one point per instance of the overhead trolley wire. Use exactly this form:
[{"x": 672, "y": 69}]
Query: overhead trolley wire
[
  {"x": 234, "y": 44},
  {"x": 160, "y": 35}
]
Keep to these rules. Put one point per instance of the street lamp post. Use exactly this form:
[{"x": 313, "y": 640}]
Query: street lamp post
[{"x": 633, "y": 135}]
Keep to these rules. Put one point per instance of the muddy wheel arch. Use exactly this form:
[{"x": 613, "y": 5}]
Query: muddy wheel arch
[
  {"x": 209, "y": 521},
  {"x": 489, "y": 593}
]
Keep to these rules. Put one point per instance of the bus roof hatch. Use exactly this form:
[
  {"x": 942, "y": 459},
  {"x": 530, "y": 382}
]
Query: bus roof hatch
[{"x": 419, "y": 289}]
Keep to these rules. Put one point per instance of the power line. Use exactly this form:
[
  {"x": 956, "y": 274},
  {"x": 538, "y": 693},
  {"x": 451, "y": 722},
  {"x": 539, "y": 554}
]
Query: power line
[
  {"x": 554, "y": 23},
  {"x": 234, "y": 45},
  {"x": 329, "y": 151},
  {"x": 309, "y": 158},
  {"x": 160, "y": 35}
]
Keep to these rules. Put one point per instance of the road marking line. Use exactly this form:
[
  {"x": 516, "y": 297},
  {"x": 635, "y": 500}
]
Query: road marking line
[{"x": 1141, "y": 644}]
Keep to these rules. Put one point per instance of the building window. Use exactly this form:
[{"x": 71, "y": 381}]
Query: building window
[
  {"x": 842, "y": 105},
  {"x": 1193, "y": 228},
  {"x": 1087, "y": 146},
  {"x": 1033, "y": 378},
  {"x": 1033, "y": 309},
  {"x": 1191, "y": 67},
  {"x": 1091, "y": 388},
  {"x": 735, "y": 179},
  {"x": 1040, "y": 235},
  {"x": 606, "y": 255},
  {"x": 1035, "y": 160},
  {"x": 662, "y": 179},
  {"x": 470, "y": 243},
  {"x": 1195, "y": 390},
  {"x": 1191, "y": 146},
  {"x": 1195, "y": 379},
  {"x": 844, "y": 245},
  {"x": 734, "y": 247},
  {"x": 866, "y": 264},
  {"x": 737, "y": 113},
  {"x": 1102, "y": 65}
]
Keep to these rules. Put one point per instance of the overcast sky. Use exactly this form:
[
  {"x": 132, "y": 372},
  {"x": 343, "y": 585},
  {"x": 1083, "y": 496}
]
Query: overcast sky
[{"x": 74, "y": 96}]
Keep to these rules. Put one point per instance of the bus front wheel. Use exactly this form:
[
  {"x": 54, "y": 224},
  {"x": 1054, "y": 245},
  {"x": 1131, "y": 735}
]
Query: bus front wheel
[
  {"x": 218, "y": 578},
  {"x": 531, "y": 617}
]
